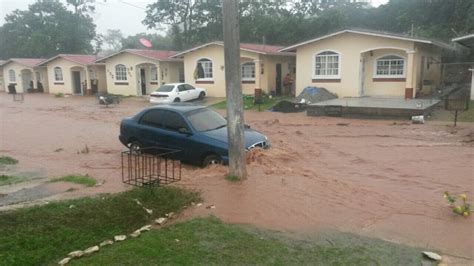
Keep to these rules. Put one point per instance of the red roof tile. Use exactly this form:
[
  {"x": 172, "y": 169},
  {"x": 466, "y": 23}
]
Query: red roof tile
[
  {"x": 80, "y": 59},
  {"x": 29, "y": 62},
  {"x": 154, "y": 54},
  {"x": 262, "y": 48}
]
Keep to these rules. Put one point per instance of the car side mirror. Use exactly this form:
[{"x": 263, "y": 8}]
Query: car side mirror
[
  {"x": 246, "y": 126},
  {"x": 184, "y": 130}
]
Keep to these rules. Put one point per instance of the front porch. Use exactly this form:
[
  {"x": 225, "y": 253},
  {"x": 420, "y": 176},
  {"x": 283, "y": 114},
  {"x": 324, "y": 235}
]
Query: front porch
[{"x": 373, "y": 106}]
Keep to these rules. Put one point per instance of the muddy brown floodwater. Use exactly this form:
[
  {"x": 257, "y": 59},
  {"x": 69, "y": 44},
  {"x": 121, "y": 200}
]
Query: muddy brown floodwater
[{"x": 380, "y": 178}]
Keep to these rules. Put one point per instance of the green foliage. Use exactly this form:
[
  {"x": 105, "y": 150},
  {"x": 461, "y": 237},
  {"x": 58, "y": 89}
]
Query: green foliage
[
  {"x": 208, "y": 241},
  {"x": 43, "y": 235},
  {"x": 288, "y": 22},
  {"x": 464, "y": 209},
  {"x": 46, "y": 29},
  {"x": 7, "y": 160},
  {"x": 249, "y": 104},
  {"x": 9, "y": 179},
  {"x": 85, "y": 180},
  {"x": 59, "y": 95},
  {"x": 232, "y": 178}
]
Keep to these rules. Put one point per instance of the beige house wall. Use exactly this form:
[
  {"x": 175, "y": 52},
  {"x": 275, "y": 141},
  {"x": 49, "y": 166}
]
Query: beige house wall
[
  {"x": 20, "y": 70},
  {"x": 168, "y": 72},
  {"x": 66, "y": 85},
  {"x": 2, "y": 82},
  {"x": 217, "y": 87},
  {"x": 350, "y": 46}
]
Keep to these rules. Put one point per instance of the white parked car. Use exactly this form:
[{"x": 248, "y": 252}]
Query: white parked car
[{"x": 176, "y": 92}]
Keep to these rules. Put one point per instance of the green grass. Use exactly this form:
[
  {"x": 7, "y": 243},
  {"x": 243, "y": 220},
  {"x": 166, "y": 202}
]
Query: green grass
[
  {"x": 232, "y": 178},
  {"x": 59, "y": 95},
  {"x": 208, "y": 241},
  {"x": 9, "y": 179},
  {"x": 8, "y": 160},
  {"x": 249, "y": 105},
  {"x": 43, "y": 235},
  {"x": 465, "y": 116},
  {"x": 77, "y": 179}
]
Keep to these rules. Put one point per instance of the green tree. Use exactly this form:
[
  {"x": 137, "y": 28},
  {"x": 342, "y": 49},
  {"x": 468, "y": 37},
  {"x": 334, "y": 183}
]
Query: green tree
[
  {"x": 45, "y": 29},
  {"x": 159, "y": 42},
  {"x": 113, "y": 38}
]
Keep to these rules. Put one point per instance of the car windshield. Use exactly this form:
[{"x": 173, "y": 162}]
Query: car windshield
[
  {"x": 165, "y": 88},
  {"x": 205, "y": 119}
]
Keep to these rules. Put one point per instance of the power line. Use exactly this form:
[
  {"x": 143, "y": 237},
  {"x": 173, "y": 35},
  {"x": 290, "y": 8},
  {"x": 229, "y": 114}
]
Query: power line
[{"x": 130, "y": 4}]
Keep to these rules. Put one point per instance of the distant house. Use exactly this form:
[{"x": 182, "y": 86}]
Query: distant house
[
  {"x": 75, "y": 74},
  {"x": 24, "y": 73},
  {"x": 2, "y": 84},
  {"x": 355, "y": 63},
  {"x": 468, "y": 41},
  {"x": 139, "y": 72},
  {"x": 262, "y": 66}
]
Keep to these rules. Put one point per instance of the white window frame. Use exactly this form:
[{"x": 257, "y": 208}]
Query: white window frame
[
  {"x": 123, "y": 73},
  {"x": 154, "y": 73},
  {"x": 248, "y": 65},
  {"x": 211, "y": 78},
  {"x": 388, "y": 76},
  {"x": 12, "y": 75},
  {"x": 338, "y": 76},
  {"x": 58, "y": 74}
]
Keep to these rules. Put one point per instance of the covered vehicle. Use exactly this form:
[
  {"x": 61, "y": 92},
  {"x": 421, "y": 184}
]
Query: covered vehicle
[
  {"x": 176, "y": 92},
  {"x": 197, "y": 132}
]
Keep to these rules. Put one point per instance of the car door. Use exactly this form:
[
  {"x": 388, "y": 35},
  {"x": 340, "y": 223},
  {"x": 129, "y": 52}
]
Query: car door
[
  {"x": 182, "y": 93},
  {"x": 179, "y": 135},
  {"x": 150, "y": 132},
  {"x": 192, "y": 92}
]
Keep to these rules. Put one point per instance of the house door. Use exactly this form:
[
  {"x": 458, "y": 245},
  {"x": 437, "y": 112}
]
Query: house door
[
  {"x": 76, "y": 82},
  {"x": 278, "y": 79},
  {"x": 143, "y": 81},
  {"x": 26, "y": 80}
]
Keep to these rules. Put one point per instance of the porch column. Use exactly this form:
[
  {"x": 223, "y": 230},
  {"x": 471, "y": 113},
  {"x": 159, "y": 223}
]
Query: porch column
[
  {"x": 35, "y": 82},
  {"x": 409, "y": 90},
  {"x": 158, "y": 74},
  {"x": 87, "y": 88},
  {"x": 257, "y": 73},
  {"x": 472, "y": 84}
]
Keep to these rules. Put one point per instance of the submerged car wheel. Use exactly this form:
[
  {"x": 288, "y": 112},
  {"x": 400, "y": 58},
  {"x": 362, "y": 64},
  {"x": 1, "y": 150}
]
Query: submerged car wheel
[
  {"x": 201, "y": 95},
  {"x": 211, "y": 159},
  {"x": 177, "y": 100},
  {"x": 135, "y": 147}
]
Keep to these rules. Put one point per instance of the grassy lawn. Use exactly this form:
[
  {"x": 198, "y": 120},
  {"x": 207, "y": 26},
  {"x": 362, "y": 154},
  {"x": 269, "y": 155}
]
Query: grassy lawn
[
  {"x": 208, "y": 241},
  {"x": 9, "y": 179},
  {"x": 77, "y": 179},
  {"x": 466, "y": 116},
  {"x": 8, "y": 160},
  {"x": 249, "y": 105},
  {"x": 45, "y": 234}
]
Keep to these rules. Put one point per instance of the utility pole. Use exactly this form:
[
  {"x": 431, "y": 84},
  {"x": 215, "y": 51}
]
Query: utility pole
[{"x": 235, "y": 112}]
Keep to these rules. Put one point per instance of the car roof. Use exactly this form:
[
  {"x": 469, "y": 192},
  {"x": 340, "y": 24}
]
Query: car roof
[
  {"x": 177, "y": 107},
  {"x": 175, "y": 84}
]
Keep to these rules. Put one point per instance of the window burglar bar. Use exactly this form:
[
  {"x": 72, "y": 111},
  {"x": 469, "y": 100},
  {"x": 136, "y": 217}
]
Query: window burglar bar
[{"x": 150, "y": 167}]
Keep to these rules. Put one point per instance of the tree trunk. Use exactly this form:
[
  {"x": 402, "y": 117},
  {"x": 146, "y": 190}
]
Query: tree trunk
[{"x": 235, "y": 113}]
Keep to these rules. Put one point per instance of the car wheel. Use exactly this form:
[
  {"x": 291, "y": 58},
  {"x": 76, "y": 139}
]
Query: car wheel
[
  {"x": 135, "y": 147},
  {"x": 211, "y": 159},
  {"x": 177, "y": 100},
  {"x": 201, "y": 95}
]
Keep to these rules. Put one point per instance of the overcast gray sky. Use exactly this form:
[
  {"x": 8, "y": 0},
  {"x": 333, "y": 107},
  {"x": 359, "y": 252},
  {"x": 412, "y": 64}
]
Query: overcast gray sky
[{"x": 125, "y": 15}]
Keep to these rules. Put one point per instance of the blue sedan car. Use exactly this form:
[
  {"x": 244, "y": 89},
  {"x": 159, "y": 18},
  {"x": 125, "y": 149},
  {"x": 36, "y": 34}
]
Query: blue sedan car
[{"x": 199, "y": 133}]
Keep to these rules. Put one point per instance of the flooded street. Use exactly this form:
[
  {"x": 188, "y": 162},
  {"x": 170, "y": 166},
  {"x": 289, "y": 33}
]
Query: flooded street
[{"x": 380, "y": 178}]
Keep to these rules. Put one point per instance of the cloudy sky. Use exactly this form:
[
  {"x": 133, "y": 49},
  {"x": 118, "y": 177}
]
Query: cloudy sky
[{"x": 125, "y": 15}]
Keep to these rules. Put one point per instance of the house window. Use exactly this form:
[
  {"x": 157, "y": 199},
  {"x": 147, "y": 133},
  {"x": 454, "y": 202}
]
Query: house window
[
  {"x": 12, "y": 75},
  {"x": 58, "y": 74},
  {"x": 390, "y": 66},
  {"x": 326, "y": 65},
  {"x": 248, "y": 71},
  {"x": 203, "y": 69},
  {"x": 154, "y": 73},
  {"x": 120, "y": 72}
]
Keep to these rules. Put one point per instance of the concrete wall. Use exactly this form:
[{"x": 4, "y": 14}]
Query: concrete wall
[
  {"x": 2, "y": 82},
  {"x": 350, "y": 46},
  {"x": 167, "y": 73},
  {"x": 66, "y": 85},
  {"x": 216, "y": 87}
]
